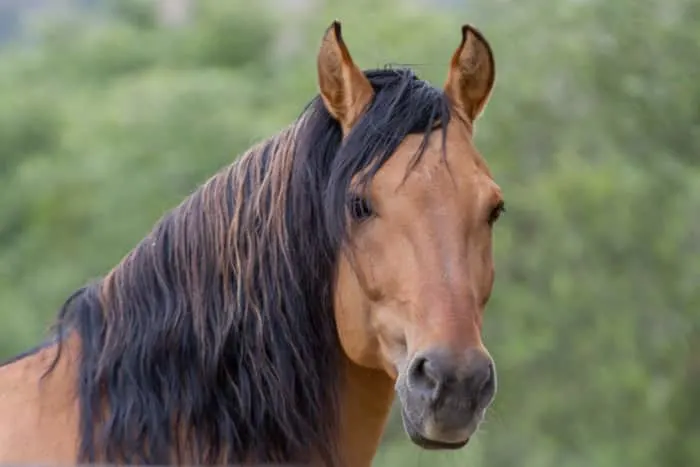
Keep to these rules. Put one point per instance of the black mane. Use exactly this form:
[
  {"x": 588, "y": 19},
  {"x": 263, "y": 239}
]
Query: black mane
[{"x": 214, "y": 340}]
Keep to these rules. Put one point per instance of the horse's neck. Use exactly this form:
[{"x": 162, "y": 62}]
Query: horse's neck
[{"x": 365, "y": 404}]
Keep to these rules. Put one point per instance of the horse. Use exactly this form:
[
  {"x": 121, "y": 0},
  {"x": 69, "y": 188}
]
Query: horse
[{"x": 278, "y": 311}]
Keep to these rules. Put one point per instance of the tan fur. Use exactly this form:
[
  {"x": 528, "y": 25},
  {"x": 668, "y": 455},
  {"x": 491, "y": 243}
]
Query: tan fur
[
  {"x": 39, "y": 417},
  {"x": 422, "y": 271},
  {"x": 418, "y": 274}
]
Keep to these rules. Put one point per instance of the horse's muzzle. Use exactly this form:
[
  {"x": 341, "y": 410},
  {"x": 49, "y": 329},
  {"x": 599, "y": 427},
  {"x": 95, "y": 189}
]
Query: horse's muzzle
[{"x": 444, "y": 396}]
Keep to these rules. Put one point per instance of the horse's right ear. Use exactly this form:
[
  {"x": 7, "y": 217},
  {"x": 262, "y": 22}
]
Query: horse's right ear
[{"x": 345, "y": 90}]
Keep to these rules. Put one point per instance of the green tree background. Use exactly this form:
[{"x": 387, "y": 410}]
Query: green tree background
[{"x": 110, "y": 115}]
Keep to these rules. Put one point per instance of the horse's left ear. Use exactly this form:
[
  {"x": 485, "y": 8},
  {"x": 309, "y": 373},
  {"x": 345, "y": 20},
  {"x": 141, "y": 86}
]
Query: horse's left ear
[
  {"x": 472, "y": 74},
  {"x": 345, "y": 90}
]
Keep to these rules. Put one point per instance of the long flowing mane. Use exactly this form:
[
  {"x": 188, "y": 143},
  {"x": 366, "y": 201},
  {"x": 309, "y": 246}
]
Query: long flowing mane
[{"x": 214, "y": 340}]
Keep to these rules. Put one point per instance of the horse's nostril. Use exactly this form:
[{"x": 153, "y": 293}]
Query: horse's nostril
[
  {"x": 486, "y": 379},
  {"x": 483, "y": 384},
  {"x": 428, "y": 376},
  {"x": 419, "y": 376}
]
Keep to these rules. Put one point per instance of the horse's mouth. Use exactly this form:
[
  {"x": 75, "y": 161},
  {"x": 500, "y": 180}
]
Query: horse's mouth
[
  {"x": 425, "y": 443},
  {"x": 429, "y": 444}
]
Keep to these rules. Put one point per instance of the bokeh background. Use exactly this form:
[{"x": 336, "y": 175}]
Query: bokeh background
[{"x": 111, "y": 112}]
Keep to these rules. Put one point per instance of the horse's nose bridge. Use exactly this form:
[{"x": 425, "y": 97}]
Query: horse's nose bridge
[
  {"x": 445, "y": 277},
  {"x": 436, "y": 235},
  {"x": 440, "y": 276},
  {"x": 447, "y": 314}
]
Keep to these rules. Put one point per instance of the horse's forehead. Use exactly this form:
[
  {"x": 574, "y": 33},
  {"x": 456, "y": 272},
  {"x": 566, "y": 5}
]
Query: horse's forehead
[{"x": 458, "y": 168}]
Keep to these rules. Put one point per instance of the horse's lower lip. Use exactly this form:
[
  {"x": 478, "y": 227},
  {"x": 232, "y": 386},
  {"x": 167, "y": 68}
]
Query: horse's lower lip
[
  {"x": 430, "y": 444},
  {"x": 427, "y": 443}
]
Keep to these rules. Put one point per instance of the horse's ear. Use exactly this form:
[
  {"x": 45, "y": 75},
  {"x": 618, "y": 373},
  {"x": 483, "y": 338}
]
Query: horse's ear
[
  {"x": 345, "y": 90},
  {"x": 472, "y": 74}
]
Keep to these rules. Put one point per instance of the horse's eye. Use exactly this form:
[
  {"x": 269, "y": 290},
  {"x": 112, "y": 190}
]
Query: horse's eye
[
  {"x": 496, "y": 212},
  {"x": 360, "y": 208}
]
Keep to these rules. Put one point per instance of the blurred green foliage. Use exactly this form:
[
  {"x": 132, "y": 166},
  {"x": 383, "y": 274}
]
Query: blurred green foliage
[{"x": 593, "y": 132}]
